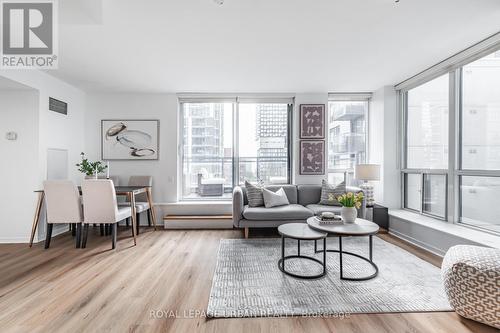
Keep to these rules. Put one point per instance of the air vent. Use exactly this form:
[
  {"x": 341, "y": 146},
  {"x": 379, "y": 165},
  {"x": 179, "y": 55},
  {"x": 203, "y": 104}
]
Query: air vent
[{"x": 58, "y": 106}]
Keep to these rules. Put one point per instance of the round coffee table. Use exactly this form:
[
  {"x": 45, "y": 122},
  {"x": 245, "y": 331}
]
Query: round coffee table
[
  {"x": 301, "y": 231},
  {"x": 360, "y": 228}
]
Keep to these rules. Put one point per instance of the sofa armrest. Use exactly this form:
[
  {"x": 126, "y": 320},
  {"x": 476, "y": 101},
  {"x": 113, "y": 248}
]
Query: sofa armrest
[
  {"x": 238, "y": 205},
  {"x": 362, "y": 210}
]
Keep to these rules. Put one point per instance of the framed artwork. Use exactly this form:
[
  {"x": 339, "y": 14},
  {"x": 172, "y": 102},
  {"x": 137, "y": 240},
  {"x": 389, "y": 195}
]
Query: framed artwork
[
  {"x": 130, "y": 139},
  {"x": 312, "y": 121},
  {"x": 312, "y": 157}
]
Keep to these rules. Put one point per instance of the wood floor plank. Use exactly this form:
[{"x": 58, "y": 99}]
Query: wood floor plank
[{"x": 160, "y": 285}]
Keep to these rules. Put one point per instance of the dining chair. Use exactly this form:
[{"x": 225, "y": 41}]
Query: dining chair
[
  {"x": 100, "y": 206},
  {"x": 141, "y": 199},
  {"x": 63, "y": 206}
]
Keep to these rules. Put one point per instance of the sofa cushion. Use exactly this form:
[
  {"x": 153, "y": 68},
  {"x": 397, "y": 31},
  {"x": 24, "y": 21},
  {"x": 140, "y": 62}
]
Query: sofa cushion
[
  {"x": 318, "y": 209},
  {"x": 308, "y": 194},
  {"x": 254, "y": 195},
  {"x": 288, "y": 212},
  {"x": 290, "y": 190},
  {"x": 274, "y": 199},
  {"x": 329, "y": 191}
]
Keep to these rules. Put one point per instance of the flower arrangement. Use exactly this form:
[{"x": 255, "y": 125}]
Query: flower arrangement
[
  {"x": 90, "y": 168},
  {"x": 350, "y": 199}
]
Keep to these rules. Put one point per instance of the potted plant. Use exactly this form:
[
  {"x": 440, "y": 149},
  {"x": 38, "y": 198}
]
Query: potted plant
[
  {"x": 90, "y": 168},
  {"x": 350, "y": 204}
]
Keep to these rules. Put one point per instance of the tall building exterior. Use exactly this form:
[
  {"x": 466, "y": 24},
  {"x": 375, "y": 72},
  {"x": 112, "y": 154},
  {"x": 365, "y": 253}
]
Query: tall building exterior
[
  {"x": 203, "y": 142},
  {"x": 346, "y": 134},
  {"x": 272, "y": 149}
]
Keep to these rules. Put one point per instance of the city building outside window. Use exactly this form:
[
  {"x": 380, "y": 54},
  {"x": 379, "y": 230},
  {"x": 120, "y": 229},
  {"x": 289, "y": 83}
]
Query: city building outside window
[{"x": 347, "y": 144}]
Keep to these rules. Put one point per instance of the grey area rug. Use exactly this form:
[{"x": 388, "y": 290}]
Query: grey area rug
[{"x": 248, "y": 283}]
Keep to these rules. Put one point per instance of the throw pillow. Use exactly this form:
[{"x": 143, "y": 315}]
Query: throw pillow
[
  {"x": 254, "y": 195},
  {"x": 327, "y": 189},
  {"x": 274, "y": 199}
]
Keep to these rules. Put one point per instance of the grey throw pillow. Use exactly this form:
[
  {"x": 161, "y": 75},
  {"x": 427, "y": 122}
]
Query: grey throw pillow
[
  {"x": 327, "y": 189},
  {"x": 254, "y": 195},
  {"x": 275, "y": 199}
]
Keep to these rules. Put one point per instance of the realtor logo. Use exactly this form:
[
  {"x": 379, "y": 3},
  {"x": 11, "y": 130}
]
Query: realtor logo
[{"x": 28, "y": 34}]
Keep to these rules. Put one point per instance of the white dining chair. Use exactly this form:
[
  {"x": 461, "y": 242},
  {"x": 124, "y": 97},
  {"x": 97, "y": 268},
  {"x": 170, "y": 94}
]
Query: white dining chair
[
  {"x": 141, "y": 199},
  {"x": 100, "y": 206},
  {"x": 63, "y": 207}
]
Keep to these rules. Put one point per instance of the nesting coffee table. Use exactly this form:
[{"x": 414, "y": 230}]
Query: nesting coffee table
[
  {"x": 360, "y": 228},
  {"x": 300, "y": 232}
]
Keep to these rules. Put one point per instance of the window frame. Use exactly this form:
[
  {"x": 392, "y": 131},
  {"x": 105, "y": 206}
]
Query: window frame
[
  {"x": 234, "y": 140},
  {"x": 455, "y": 171}
]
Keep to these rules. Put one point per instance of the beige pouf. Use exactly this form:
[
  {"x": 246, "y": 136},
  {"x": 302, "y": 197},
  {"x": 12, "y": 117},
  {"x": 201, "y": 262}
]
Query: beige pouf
[{"x": 471, "y": 276}]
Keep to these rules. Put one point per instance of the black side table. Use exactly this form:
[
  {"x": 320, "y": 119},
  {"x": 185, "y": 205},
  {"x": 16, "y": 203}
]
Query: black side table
[{"x": 380, "y": 215}]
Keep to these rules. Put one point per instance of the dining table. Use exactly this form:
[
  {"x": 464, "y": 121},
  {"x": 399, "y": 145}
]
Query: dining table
[{"x": 128, "y": 191}]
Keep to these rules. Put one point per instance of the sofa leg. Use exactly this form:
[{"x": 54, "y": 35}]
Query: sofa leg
[{"x": 247, "y": 232}]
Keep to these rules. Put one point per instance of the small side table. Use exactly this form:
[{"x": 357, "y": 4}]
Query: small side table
[
  {"x": 301, "y": 231},
  {"x": 378, "y": 214}
]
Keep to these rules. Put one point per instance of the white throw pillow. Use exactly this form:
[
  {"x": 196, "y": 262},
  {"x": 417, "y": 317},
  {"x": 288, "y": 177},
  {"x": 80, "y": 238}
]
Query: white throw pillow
[{"x": 274, "y": 199}]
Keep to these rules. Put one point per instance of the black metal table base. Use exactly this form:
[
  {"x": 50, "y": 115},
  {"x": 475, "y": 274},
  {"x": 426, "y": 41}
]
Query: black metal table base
[
  {"x": 281, "y": 262},
  {"x": 341, "y": 253}
]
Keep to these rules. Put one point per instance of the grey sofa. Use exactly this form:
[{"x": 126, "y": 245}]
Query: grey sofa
[{"x": 304, "y": 203}]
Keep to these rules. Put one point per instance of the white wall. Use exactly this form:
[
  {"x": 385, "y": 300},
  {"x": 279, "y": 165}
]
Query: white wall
[
  {"x": 54, "y": 131},
  {"x": 306, "y": 98},
  {"x": 163, "y": 107},
  {"x": 19, "y": 163},
  {"x": 383, "y": 145}
]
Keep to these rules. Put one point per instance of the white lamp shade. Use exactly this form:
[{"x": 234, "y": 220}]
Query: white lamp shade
[{"x": 367, "y": 172}]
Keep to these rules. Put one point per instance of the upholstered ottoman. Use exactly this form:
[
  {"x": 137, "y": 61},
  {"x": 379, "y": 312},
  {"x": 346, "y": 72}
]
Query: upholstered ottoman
[{"x": 471, "y": 276}]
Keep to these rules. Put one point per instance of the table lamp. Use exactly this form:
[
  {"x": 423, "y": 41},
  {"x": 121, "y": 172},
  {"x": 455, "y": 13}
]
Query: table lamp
[{"x": 367, "y": 172}]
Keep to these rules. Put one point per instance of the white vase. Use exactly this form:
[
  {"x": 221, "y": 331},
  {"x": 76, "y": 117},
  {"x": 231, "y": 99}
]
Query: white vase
[{"x": 349, "y": 214}]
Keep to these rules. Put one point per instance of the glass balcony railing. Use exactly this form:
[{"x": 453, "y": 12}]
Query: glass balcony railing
[
  {"x": 348, "y": 143},
  {"x": 214, "y": 175}
]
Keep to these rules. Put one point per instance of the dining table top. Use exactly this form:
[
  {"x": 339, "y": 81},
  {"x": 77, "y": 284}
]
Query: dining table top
[{"x": 118, "y": 189}]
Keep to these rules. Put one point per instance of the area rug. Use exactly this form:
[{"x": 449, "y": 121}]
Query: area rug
[{"x": 248, "y": 283}]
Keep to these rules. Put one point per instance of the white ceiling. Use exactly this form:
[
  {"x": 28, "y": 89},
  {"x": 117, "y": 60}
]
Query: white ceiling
[{"x": 262, "y": 45}]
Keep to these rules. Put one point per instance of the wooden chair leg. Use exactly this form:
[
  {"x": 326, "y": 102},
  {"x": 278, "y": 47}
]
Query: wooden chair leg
[
  {"x": 247, "y": 232},
  {"x": 78, "y": 235},
  {"x": 138, "y": 221},
  {"x": 48, "y": 235},
  {"x": 149, "y": 217},
  {"x": 101, "y": 227},
  {"x": 85, "y": 235},
  {"x": 114, "y": 231}
]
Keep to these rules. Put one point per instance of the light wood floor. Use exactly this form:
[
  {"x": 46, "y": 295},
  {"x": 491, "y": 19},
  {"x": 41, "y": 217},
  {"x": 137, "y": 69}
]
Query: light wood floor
[{"x": 64, "y": 289}]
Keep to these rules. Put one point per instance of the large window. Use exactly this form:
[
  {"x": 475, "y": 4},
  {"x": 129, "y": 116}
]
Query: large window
[
  {"x": 226, "y": 143},
  {"x": 346, "y": 137},
  {"x": 458, "y": 180},
  {"x": 427, "y": 125},
  {"x": 479, "y": 162}
]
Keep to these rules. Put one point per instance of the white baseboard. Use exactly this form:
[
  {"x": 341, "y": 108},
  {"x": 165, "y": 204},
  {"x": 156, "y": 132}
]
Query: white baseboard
[
  {"x": 14, "y": 240},
  {"x": 198, "y": 224}
]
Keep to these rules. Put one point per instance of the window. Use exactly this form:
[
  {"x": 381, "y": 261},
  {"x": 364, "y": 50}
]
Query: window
[
  {"x": 427, "y": 125},
  {"x": 226, "y": 143},
  {"x": 346, "y": 137},
  {"x": 481, "y": 114},
  {"x": 263, "y": 143},
  {"x": 479, "y": 172},
  {"x": 207, "y": 148},
  {"x": 474, "y": 120}
]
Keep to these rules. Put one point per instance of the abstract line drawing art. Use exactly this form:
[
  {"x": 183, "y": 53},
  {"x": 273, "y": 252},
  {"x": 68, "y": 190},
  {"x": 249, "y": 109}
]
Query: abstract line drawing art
[
  {"x": 312, "y": 157},
  {"x": 129, "y": 139},
  {"x": 312, "y": 121}
]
